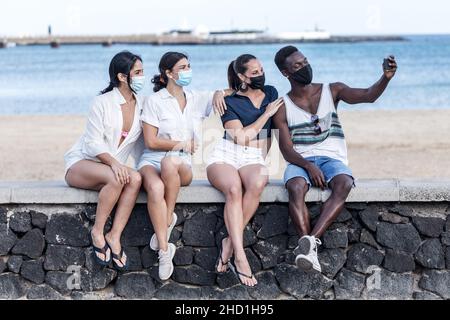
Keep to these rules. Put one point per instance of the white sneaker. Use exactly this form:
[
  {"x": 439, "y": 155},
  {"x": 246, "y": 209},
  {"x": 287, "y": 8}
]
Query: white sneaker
[
  {"x": 306, "y": 251},
  {"x": 154, "y": 244},
  {"x": 165, "y": 262}
]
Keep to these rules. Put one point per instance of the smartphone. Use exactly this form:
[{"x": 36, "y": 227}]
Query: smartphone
[{"x": 386, "y": 65}]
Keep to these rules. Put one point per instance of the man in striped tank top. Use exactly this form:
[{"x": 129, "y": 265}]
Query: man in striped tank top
[{"x": 312, "y": 141}]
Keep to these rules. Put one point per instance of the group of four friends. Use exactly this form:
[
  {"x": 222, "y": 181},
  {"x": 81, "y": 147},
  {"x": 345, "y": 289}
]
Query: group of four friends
[{"x": 161, "y": 133}]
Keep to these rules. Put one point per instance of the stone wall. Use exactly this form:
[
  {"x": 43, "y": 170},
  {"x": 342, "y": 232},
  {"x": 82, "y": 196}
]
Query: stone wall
[{"x": 387, "y": 250}]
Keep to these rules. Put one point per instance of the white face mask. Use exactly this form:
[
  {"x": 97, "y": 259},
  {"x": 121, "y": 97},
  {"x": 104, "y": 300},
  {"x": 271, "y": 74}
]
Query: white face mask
[{"x": 137, "y": 83}]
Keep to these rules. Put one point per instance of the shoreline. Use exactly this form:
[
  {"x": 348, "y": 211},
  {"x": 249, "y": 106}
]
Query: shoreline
[{"x": 382, "y": 144}]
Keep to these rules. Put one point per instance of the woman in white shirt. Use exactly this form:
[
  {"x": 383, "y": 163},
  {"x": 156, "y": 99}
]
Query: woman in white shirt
[
  {"x": 171, "y": 119},
  {"x": 98, "y": 160}
]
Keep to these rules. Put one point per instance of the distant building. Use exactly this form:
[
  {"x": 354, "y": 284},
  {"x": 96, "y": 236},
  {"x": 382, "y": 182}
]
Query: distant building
[{"x": 236, "y": 35}]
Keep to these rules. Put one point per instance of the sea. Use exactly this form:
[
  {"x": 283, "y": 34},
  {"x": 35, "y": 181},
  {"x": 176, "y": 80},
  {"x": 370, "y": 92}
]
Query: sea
[{"x": 39, "y": 80}]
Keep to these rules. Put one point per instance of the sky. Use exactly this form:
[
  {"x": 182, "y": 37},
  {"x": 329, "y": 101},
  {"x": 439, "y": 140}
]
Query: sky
[{"x": 345, "y": 17}]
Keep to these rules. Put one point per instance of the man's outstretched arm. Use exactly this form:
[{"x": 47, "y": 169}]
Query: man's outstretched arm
[{"x": 342, "y": 92}]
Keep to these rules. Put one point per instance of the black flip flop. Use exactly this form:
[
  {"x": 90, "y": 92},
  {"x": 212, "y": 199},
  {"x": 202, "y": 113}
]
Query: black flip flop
[
  {"x": 220, "y": 260},
  {"x": 103, "y": 251},
  {"x": 238, "y": 274},
  {"x": 119, "y": 257}
]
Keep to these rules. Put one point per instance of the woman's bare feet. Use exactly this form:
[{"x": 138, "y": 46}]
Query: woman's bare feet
[
  {"x": 116, "y": 247},
  {"x": 227, "y": 253},
  {"x": 244, "y": 272},
  {"x": 98, "y": 241}
]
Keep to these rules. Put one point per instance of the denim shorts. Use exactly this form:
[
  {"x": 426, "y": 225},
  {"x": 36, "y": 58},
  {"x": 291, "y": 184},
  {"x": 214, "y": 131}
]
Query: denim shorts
[
  {"x": 330, "y": 168},
  {"x": 154, "y": 158}
]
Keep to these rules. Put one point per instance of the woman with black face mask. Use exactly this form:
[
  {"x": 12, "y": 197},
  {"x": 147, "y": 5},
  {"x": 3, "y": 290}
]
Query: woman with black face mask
[{"x": 237, "y": 165}]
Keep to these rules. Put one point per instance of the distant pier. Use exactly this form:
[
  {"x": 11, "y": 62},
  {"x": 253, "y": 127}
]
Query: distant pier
[{"x": 107, "y": 41}]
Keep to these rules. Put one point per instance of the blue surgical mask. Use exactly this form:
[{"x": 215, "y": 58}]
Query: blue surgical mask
[
  {"x": 184, "y": 78},
  {"x": 137, "y": 83}
]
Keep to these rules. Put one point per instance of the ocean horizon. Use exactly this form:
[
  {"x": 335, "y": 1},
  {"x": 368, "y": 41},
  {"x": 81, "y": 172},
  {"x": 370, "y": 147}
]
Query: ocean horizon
[{"x": 39, "y": 80}]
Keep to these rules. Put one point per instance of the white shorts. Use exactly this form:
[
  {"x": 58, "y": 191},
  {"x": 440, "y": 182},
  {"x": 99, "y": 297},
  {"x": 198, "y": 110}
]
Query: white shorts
[
  {"x": 235, "y": 155},
  {"x": 154, "y": 158}
]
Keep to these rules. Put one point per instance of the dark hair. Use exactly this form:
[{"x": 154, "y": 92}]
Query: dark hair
[
  {"x": 122, "y": 62},
  {"x": 238, "y": 66},
  {"x": 168, "y": 61},
  {"x": 282, "y": 55}
]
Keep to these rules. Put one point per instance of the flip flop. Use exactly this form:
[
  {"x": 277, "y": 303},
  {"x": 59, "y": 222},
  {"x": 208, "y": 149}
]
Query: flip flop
[
  {"x": 103, "y": 251},
  {"x": 119, "y": 257}
]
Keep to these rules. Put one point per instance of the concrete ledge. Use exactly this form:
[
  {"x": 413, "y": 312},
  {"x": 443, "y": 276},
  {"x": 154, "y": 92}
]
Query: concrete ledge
[{"x": 57, "y": 192}]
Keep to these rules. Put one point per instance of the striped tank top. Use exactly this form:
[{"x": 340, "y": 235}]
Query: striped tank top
[{"x": 308, "y": 140}]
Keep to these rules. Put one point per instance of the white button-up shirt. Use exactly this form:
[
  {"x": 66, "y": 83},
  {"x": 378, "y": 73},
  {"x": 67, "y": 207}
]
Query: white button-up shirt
[
  {"x": 162, "y": 111},
  {"x": 104, "y": 132}
]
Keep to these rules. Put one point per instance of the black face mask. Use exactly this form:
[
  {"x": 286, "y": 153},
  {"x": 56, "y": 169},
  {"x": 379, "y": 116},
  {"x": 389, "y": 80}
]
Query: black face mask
[
  {"x": 303, "y": 76},
  {"x": 258, "y": 82}
]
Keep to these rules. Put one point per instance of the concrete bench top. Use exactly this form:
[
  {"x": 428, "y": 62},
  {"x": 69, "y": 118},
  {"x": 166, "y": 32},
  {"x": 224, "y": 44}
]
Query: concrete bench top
[{"x": 57, "y": 192}]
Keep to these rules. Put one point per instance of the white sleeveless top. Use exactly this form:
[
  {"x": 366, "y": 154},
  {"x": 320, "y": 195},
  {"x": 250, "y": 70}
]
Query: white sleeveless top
[{"x": 307, "y": 142}]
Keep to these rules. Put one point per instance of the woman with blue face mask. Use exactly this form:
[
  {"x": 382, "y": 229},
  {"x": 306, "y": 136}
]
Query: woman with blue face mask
[
  {"x": 98, "y": 160},
  {"x": 171, "y": 120}
]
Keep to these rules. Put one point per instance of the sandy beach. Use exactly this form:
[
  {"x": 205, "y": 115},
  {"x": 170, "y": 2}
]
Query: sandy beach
[{"x": 382, "y": 144}]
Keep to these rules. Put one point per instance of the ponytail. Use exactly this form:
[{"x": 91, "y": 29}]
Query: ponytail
[
  {"x": 238, "y": 66},
  {"x": 168, "y": 61}
]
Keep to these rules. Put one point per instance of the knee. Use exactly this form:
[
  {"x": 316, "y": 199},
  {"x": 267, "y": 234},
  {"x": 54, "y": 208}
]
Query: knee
[
  {"x": 155, "y": 189},
  {"x": 169, "y": 168},
  {"x": 298, "y": 189},
  {"x": 343, "y": 186},
  {"x": 257, "y": 186},
  {"x": 234, "y": 193},
  {"x": 113, "y": 183},
  {"x": 135, "y": 180}
]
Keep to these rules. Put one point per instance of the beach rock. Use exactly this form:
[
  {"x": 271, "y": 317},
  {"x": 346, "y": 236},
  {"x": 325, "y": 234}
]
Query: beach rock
[
  {"x": 3, "y": 215},
  {"x": 194, "y": 275},
  {"x": 275, "y": 222},
  {"x": 175, "y": 291},
  {"x": 437, "y": 282},
  {"x": 429, "y": 227},
  {"x": 270, "y": 250},
  {"x": 401, "y": 237},
  {"x": 43, "y": 292},
  {"x": 7, "y": 240},
  {"x": 199, "y": 230},
  {"x": 205, "y": 258},
  {"x": 235, "y": 293},
  {"x": 98, "y": 280},
  {"x": 425, "y": 295},
  {"x": 134, "y": 258},
  {"x": 447, "y": 257},
  {"x": 31, "y": 245},
  {"x": 349, "y": 285},
  {"x": 344, "y": 216},
  {"x": 15, "y": 263},
  {"x": 184, "y": 256},
  {"x": 12, "y": 287},
  {"x": 445, "y": 238},
  {"x": 354, "y": 231},
  {"x": 67, "y": 229},
  {"x": 253, "y": 260},
  {"x": 267, "y": 288},
  {"x": 249, "y": 237},
  {"x": 431, "y": 255},
  {"x": 393, "y": 218},
  {"x": 149, "y": 257},
  {"x": 59, "y": 258},
  {"x": 38, "y": 219},
  {"x": 369, "y": 217},
  {"x": 361, "y": 258},
  {"x": 338, "y": 238},
  {"x": 63, "y": 282},
  {"x": 20, "y": 222},
  {"x": 33, "y": 271},
  {"x": 384, "y": 285},
  {"x": 135, "y": 286},
  {"x": 332, "y": 261},
  {"x": 302, "y": 284},
  {"x": 3, "y": 265},
  {"x": 139, "y": 230},
  {"x": 227, "y": 280},
  {"x": 447, "y": 223},
  {"x": 367, "y": 238},
  {"x": 399, "y": 262}
]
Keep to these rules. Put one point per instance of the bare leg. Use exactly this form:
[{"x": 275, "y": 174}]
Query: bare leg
[
  {"x": 124, "y": 209},
  {"x": 226, "y": 179},
  {"x": 332, "y": 208},
  {"x": 298, "y": 188},
  {"x": 174, "y": 174},
  {"x": 90, "y": 175},
  {"x": 254, "y": 183},
  {"x": 157, "y": 207}
]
